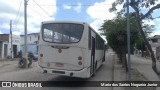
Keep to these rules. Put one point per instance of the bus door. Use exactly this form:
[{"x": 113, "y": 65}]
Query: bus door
[{"x": 92, "y": 56}]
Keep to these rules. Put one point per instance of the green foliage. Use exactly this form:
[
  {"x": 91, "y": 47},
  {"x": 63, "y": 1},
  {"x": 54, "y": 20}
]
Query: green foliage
[
  {"x": 137, "y": 5},
  {"x": 139, "y": 42},
  {"x": 116, "y": 33}
]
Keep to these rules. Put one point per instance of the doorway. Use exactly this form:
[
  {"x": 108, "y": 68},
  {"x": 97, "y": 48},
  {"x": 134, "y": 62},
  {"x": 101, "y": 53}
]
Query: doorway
[
  {"x": 5, "y": 50},
  {"x": 0, "y": 49},
  {"x": 14, "y": 51}
]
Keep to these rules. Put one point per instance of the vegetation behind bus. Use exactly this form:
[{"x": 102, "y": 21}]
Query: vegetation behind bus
[
  {"x": 138, "y": 7},
  {"x": 116, "y": 35}
]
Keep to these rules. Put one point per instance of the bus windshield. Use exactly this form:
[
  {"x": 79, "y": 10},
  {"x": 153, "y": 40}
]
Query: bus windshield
[{"x": 62, "y": 32}]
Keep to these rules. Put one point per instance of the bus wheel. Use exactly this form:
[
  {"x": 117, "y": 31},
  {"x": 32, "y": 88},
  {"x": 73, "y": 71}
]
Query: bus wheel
[
  {"x": 94, "y": 71},
  {"x": 95, "y": 67}
]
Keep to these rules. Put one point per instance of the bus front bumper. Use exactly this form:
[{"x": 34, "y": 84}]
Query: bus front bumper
[{"x": 83, "y": 73}]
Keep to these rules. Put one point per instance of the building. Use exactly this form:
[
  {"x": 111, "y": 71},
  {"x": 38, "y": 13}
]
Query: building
[
  {"x": 155, "y": 44},
  {"x": 32, "y": 42},
  {"x": 5, "y": 45}
]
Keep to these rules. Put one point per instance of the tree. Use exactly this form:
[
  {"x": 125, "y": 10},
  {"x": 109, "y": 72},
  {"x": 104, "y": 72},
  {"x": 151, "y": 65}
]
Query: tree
[
  {"x": 116, "y": 35},
  {"x": 140, "y": 45},
  {"x": 137, "y": 5}
]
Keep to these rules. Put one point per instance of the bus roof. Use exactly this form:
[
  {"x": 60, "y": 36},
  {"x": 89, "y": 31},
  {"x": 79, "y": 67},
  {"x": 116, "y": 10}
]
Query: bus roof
[{"x": 63, "y": 21}]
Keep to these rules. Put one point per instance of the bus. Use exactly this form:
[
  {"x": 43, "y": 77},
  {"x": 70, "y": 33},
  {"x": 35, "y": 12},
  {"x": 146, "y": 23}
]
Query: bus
[{"x": 70, "y": 48}]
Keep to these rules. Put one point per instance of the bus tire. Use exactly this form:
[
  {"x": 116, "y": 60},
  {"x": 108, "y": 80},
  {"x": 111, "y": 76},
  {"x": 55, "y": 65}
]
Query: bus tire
[
  {"x": 95, "y": 68},
  {"x": 104, "y": 57}
]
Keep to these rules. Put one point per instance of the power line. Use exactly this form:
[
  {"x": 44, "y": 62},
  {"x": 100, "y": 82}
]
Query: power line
[
  {"x": 75, "y": 5},
  {"x": 18, "y": 11},
  {"x": 41, "y": 8},
  {"x": 18, "y": 19},
  {"x": 36, "y": 12}
]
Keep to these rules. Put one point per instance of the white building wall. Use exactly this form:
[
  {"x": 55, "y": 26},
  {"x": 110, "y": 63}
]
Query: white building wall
[
  {"x": 16, "y": 40},
  {"x": 31, "y": 42},
  {"x": 154, "y": 45},
  {"x": 31, "y": 38}
]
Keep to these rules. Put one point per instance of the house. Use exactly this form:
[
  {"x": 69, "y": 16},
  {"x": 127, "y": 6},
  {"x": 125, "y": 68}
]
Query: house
[
  {"x": 32, "y": 42},
  {"x": 5, "y": 45},
  {"x": 155, "y": 44}
]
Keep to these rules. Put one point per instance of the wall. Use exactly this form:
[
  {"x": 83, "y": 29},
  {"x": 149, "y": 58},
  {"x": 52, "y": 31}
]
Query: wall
[
  {"x": 4, "y": 37},
  {"x": 32, "y": 40},
  {"x": 155, "y": 46},
  {"x": 16, "y": 41}
]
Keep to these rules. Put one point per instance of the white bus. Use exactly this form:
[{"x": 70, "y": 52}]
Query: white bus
[{"x": 70, "y": 48}]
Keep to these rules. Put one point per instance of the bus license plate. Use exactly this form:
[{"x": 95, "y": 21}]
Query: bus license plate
[{"x": 59, "y": 64}]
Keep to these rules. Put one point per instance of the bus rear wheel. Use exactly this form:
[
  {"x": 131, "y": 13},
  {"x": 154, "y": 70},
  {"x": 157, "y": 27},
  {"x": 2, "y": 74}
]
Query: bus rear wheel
[{"x": 94, "y": 70}]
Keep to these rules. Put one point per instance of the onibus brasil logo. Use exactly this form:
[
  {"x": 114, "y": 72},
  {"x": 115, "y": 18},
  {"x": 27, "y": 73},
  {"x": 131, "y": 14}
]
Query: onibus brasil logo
[{"x": 18, "y": 84}]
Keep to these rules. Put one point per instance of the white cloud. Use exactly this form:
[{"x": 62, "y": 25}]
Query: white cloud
[
  {"x": 35, "y": 14},
  {"x": 66, "y": 6},
  {"x": 155, "y": 33},
  {"x": 0, "y": 32},
  {"x": 16, "y": 33},
  {"x": 5, "y": 26},
  {"x": 156, "y": 24},
  {"x": 99, "y": 12},
  {"x": 149, "y": 22},
  {"x": 78, "y": 8},
  {"x": 96, "y": 24},
  {"x": 158, "y": 19},
  {"x": 42, "y": 14}
]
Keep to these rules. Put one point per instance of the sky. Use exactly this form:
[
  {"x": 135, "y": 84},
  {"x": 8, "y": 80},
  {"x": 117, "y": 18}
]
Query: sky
[{"x": 93, "y": 12}]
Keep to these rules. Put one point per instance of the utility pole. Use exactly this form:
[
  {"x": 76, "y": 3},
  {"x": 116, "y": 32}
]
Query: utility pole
[
  {"x": 128, "y": 42},
  {"x": 25, "y": 32},
  {"x": 11, "y": 38}
]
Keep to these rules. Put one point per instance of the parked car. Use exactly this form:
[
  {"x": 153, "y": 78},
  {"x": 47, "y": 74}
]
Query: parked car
[{"x": 33, "y": 55}]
